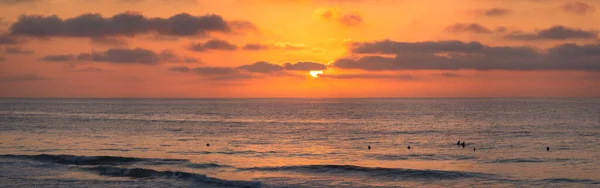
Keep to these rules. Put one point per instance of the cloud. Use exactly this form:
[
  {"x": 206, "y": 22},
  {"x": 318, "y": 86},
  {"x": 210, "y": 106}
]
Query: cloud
[
  {"x": 554, "y": 33},
  {"x": 262, "y": 67},
  {"x": 255, "y": 70},
  {"x": 214, "y": 44},
  {"x": 58, "y": 58},
  {"x": 335, "y": 15},
  {"x": 255, "y": 47},
  {"x": 121, "y": 56},
  {"x": 17, "y": 50},
  {"x": 277, "y": 46},
  {"x": 110, "y": 41},
  {"x": 578, "y": 8},
  {"x": 468, "y": 28},
  {"x": 215, "y": 70},
  {"x": 497, "y": 12},
  {"x": 8, "y": 39},
  {"x": 122, "y": 24},
  {"x": 180, "y": 69},
  {"x": 454, "y": 55},
  {"x": 22, "y": 78},
  {"x": 170, "y": 56},
  {"x": 304, "y": 66},
  {"x": 370, "y": 76},
  {"x": 432, "y": 47}
]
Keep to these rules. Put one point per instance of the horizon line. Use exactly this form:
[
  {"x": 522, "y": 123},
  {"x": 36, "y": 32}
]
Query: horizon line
[{"x": 225, "y": 98}]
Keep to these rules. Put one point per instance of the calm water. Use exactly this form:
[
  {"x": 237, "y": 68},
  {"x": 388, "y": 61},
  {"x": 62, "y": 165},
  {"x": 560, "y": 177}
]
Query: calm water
[{"x": 299, "y": 143}]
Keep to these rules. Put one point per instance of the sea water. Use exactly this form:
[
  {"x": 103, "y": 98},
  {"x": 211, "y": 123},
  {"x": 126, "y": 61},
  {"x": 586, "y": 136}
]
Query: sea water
[{"x": 300, "y": 142}]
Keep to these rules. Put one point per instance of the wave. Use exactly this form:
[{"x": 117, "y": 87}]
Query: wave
[
  {"x": 93, "y": 160},
  {"x": 530, "y": 160},
  {"x": 568, "y": 180},
  {"x": 420, "y": 157},
  {"x": 373, "y": 171},
  {"x": 149, "y": 173}
]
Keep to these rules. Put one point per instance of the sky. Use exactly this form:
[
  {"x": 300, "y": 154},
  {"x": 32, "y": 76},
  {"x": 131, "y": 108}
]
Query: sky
[{"x": 268, "y": 48}]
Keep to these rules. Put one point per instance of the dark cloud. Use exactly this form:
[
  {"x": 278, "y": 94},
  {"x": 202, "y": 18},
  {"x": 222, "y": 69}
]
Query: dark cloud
[
  {"x": 123, "y": 24},
  {"x": 256, "y": 70},
  {"x": 17, "y": 50},
  {"x": 214, "y": 44},
  {"x": 262, "y": 67},
  {"x": 304, "y": 66},
  {"x": 8, "y": 39},
  {"x": 554, "y": 33},
  {"x": 58, "y": 58},
  {"x": 215, "y": 70},
  {"x": 497, "y": 12},
  {"x": 578, "y": 8},
  {"x": 392, "y": 47},
  {"x": 122, "y": 56},
  {"x": 468, "y": 28},
  {"x": 446, "y": 55},
  {"x": 255, "y": 47},
  {"x": 170, "y": 56},
  {"x": 274, "y": 46},
  {"x": 22, "y": 78},
  {"x": 110, "y": 41},
  {"x": 180, "y": 69},
  {"x": 370, "y": 76}
]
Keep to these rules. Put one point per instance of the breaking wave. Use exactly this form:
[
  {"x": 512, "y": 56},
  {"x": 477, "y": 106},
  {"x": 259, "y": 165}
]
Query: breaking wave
[{"x": 373, "y": 171}]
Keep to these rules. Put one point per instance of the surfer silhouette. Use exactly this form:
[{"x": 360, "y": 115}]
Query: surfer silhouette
[
  {"x": 369, "y": 147},
  {"x": 207, "y": 144},
  {"x": 547, "y": 148},
  {"x": 408, "y": 146}
]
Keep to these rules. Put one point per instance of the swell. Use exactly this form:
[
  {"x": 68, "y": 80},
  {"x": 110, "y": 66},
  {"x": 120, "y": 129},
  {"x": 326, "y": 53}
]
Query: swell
[
  {"x": 569, "y": 180},
  {"x": 110, "y": 160},
  {"x": 149, "y": 173},
  {"x": 420, "y": 157},
  {"x": 373, "y": 171},
  {"x": 527, "y": 160}
]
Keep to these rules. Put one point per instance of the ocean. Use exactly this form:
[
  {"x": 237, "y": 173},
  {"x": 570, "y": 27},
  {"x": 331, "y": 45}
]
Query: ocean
[{"x": 300, "y": 142}]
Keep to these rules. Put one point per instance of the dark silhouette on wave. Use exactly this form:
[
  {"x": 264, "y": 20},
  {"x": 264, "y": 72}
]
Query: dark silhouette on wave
[
  {"x": 149, "y": 173},
  {"x": 373, "y": 171}
]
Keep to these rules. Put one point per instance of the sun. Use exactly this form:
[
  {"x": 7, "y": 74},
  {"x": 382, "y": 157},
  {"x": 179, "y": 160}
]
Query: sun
[{"x": 315, "y": 73}]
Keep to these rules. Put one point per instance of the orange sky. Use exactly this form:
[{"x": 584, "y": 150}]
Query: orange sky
[{"x": 239, "y": 48}]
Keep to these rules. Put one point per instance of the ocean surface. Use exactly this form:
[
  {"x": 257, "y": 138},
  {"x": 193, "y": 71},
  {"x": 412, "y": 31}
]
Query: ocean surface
[{"x": 300, "y": 142}]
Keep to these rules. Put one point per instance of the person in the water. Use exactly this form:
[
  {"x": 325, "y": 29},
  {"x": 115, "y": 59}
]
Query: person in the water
[
  {"x": 463, "y": 144},
  {"x": 474, "y": 149},
  {"x": 369, "y": 147},
  {"x": 408, "y": 146},
  {"x": 458, "y": 143},
  {"x": 207, "y": 144},
  {"x": 547, "y": 148}
]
